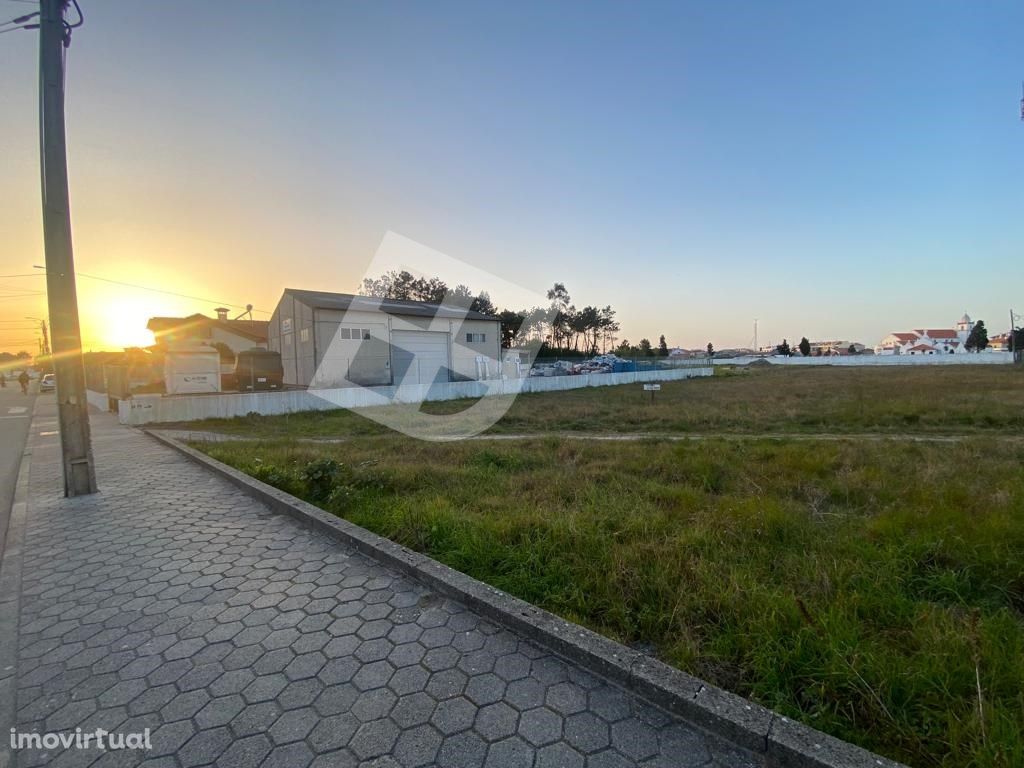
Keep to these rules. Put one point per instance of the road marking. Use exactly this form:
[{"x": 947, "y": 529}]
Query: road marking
[
  {"x": 15, "y": 417},
  {"x": 17, "y": 409},
  {"x": 47, "y": 434}
]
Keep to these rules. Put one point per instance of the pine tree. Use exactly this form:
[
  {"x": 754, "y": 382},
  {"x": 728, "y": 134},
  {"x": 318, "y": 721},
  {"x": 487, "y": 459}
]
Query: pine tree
[{"x": 978, "y": 338}]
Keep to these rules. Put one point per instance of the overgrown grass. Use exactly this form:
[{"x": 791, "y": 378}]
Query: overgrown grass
[
  {"x": 926, "y": 400},
  {"x": 860, "y": 587}
]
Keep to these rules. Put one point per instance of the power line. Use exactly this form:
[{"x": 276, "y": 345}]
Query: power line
[
  {"x": 170, "y": 293},
  {"x": 20, "y": 19},
  {"x": 42, "y": 272}
]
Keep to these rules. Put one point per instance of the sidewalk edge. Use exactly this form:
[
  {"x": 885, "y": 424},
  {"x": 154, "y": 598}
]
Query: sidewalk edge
[
  {"x": 781, "y": 742},
  {"x": 10, "y": 601}
]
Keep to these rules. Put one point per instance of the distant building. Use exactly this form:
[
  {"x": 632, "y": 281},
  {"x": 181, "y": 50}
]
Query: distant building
[
  {"x": 928, "y": 341},
  {"x": 1000, "y": 343},
  {"x": 339, "y": 340},
  {"x": 681, "y": 353},
  {"x": 836, "y": 348},
  {"x": 235, "y": 334}
]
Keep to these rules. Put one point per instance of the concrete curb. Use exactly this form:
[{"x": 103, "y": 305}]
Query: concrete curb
[
  {"x": 10, "y": 601},
  {"x": 779, "y": 741}
]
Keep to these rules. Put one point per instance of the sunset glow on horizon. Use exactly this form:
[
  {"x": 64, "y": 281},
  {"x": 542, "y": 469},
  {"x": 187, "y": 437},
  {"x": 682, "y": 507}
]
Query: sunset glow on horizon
[{"x": 694, "y": 167}]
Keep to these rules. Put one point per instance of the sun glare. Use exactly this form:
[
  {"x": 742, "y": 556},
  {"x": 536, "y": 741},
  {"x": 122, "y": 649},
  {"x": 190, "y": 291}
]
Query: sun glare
[{"x": 115, "y": 322}]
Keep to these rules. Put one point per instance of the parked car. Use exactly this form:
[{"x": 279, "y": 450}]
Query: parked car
[
  {"x": 48, "y": 384},
  {"x": 258, "y": 369}
]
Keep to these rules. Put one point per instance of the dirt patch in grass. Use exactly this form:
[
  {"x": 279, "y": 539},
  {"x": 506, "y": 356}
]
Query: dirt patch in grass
[{"x": 860, "y": 587}]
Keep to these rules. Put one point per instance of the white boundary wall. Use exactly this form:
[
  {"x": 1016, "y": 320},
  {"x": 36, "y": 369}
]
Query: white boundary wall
[
  {"x": 981, "y": 358},
  {"x": 154, "y": 409},
  {"x": 97, "y": 399}
]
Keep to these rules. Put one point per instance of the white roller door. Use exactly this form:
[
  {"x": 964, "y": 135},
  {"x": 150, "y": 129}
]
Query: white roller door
[{"x": 419, "y": 357}]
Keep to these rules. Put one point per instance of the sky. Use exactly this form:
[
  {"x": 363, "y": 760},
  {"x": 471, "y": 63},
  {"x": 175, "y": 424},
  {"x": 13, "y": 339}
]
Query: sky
[{"x": 833, "y": 170}]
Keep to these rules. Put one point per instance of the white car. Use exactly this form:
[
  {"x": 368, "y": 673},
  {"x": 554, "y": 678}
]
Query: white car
[{"x": 48, "y": 384}]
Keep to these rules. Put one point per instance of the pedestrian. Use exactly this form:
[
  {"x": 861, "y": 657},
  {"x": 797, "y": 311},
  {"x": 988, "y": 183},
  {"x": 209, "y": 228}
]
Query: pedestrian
[{"x": 23, "y": 380}]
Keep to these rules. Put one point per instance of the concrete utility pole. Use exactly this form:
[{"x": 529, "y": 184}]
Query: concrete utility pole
[
  {"x": 1014, "y": 317},
  {"x": 62, "y": 298}
]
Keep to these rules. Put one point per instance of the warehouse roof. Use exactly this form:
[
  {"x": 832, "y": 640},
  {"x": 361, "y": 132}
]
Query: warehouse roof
[{"x": 346, "y": 301}]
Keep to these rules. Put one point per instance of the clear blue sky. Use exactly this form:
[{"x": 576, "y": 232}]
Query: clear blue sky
[{"x": 836, "y": 170}]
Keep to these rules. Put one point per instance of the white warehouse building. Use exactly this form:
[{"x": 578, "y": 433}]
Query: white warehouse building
[{"x": 329, "y": 340}]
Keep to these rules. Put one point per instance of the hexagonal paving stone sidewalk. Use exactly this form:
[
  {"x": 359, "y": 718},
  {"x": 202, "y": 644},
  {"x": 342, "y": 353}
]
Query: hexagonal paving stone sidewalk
[{"x": 174, "y": 602}]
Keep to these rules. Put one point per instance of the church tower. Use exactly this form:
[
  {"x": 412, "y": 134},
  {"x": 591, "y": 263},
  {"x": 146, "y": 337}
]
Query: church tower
[{"x": 963, "y": 328}]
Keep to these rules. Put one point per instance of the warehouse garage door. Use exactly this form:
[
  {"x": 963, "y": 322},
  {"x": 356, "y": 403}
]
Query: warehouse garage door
[{"x": 419, "y": 357}]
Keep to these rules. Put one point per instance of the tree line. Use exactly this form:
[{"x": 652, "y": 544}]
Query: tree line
[{"x": 559, "y": 327}]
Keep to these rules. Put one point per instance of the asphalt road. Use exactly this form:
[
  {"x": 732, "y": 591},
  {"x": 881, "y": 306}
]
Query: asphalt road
[{"x": 15, "y": 417}]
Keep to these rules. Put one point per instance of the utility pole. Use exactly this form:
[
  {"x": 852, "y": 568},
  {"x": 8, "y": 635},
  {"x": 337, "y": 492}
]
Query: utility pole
[
  {"x": 1012, "y": 334},
  {"x": 1014, "y": 317},
  {"x": 62, "y": 298},
  {"x": 44, "y": 344}
]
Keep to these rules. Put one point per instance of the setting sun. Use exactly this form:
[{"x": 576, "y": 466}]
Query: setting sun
[{"x": 113, "y": 320}]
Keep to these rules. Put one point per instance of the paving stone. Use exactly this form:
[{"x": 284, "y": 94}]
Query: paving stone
[
  {"x": 609, "y": 759},
  {"x": 293, "y": 726},
  {"x": 540, "y": 726},
  {"x": 586, "y": 732},
  {"x": 245, "y": 752},
  {"x": 566, "y": 698},
  {"x": 184, "y": 705},
  {"x": 496, "y": 721},
  {"x": 417, "y": 746},
  {"x": 454, "y": 715},
  {"x": 205, "y": 747},
  {"x": 634, "y": 739},
  {"x": 300, "y": 694},
  {"x": 485, "y": 689},
  {"x": 336, "y": 699},
  {"x": 220, "y": 711},
  {"x": 559, "y": 756},
  {"x": 374, "y": 739},
  {"x": 333, "y": 732},
  {"x": 375, "y": 704},
  {"x": 461, "y": 750},
  {"x": 510, "y": 753},
  {"x": 256, "y": 718},
  {"x": 296, "y": 755}
]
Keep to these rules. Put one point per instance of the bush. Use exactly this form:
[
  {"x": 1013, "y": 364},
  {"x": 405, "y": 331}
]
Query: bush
[{"x": 321, "y": 478}]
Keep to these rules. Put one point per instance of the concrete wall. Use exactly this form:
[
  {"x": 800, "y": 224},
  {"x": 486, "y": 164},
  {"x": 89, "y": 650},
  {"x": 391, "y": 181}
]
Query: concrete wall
[
  {"x": 151, "y": 409},
  {"x": 981, "y": 358},
  {"x": 96, "y": 399}
]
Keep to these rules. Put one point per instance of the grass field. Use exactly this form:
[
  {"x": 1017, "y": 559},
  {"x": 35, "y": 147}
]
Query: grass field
[
  {"x": 871, "y": 589},
  {"x": 927, "y": 400}
]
